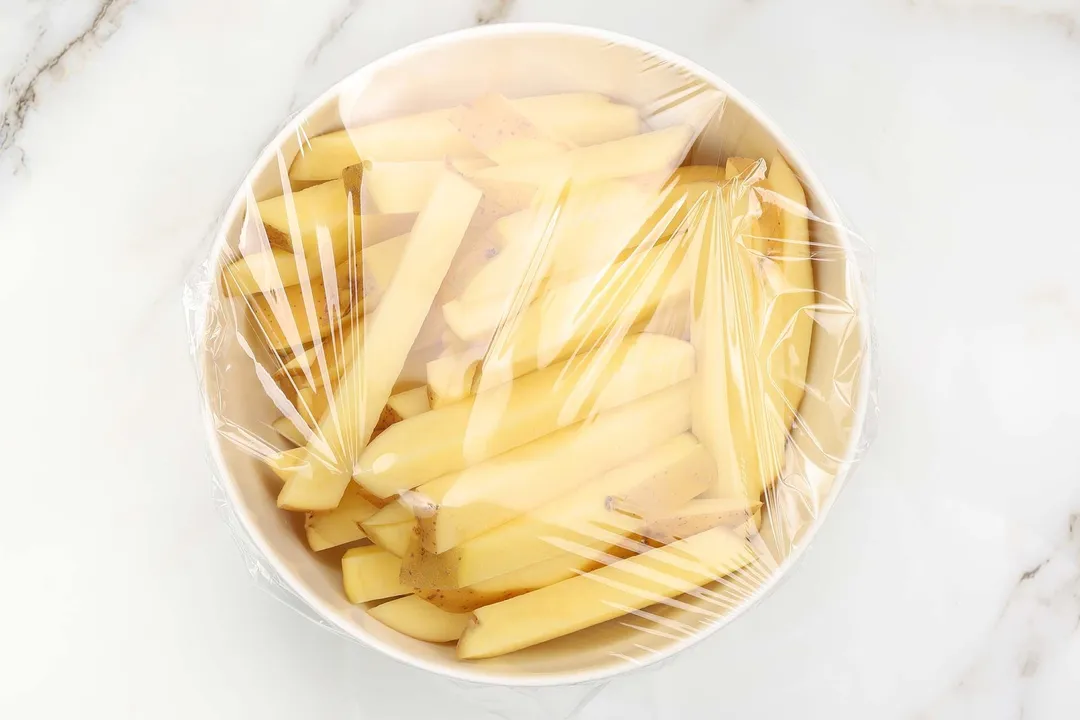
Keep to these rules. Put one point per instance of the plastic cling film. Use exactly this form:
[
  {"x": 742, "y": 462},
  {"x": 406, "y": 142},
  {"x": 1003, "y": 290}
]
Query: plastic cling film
[{"x": 517, "y": 384}]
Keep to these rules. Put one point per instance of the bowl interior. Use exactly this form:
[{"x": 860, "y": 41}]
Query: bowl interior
[{"x": 522, "y": 61}]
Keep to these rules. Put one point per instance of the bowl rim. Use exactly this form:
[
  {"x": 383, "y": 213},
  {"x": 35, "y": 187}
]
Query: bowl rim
[{"x": 466, "y": 671}]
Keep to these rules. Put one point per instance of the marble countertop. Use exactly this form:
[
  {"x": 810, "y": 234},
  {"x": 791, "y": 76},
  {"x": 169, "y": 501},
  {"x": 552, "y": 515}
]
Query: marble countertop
[{"x": 946, "y": 583}]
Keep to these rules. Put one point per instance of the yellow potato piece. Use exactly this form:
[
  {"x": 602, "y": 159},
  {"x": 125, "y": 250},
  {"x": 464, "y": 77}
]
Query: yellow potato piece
[
  {"x": 395, "y": 189},
  {"x": 395, "y": 511},
  {"x": 754, "y": 324},
  {"x": 370, "y": 573},
  {"x": 568, "y": 320},
  {"x": 493, "y": 422},
  {"x": 296, "y": 315},
  {"x": 318, "y": 222},
  {"x": 700, "y": 515},
  {"x": 648, "y": 291},
  {"x": 409, "y": 404},
  {"x": 455, "y": 376},
  {"x": 503, "y": 134},
  {"x": 310, "y": 405},
  {"x": 582, "y": 121},
  {"x": 582, "y": 517},
  {"x": 313, "y": 403},
  {"x": 393, "y": 537},
  {"x": 401, "y": 187},
  {"x": 596, "y": 225},
  {"x": 516, "y": 225},
  {"x": 526, "y": 274},
  {"x": 692, "y": 174},
  {"x": 322, "y": 363},
  {"x": 729, "y": 395},
  {"x": 651, "y": 152},
  {"x": 261, "y": 272},
  {"x": 518, "y": 150},
  {"x": 593, "y": 227},
  {"x": 464, "y": 505},
  {"x": 330, "y": 528},
  {"x": 287, "y": 430},
  {"x": 579, "y": 118},
  {"x": 429, "y": 136},
  {"x": 380, "y": 262},
  {"x": 630, "y": 288},
  {"x": 604, "y": 594},
  {"x": 286, "y": 462},
  {"x": 420, "y": 619},
  {"x": 663, "y": 495},
  {"x": 789, "y": 294},
  {"x": 749, "y": 170},
  {"x": 519, "y": 582},
  {"x": 295, "y": 220},
  {"x": 389, "y": 333}
]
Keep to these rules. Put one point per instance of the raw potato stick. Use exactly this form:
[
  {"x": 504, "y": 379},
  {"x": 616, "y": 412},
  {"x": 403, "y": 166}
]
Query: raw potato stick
[
  {"x": 519, "y": 582},
  {"x": 274, "y": 268},
  {"x": 262, "y": 271},
  {"x": 658, "y": 151},
  {"x": 287, "y": 462},
  {"x": 568, "y": 320},
  {"x": 410, "y": 403},
  {"x": 298, "y": 426},
  {"x": 393, "y": 537},
  {"x": 335, "y": 353},
  {"x": 287, "y": 430},
  {"x": 579, "y": 118},
  {"x": 420, "y": 619},
  {"x": 380, "y": 262},
  {"x": 689, "y": 184},
  {"x": 456, "y": 376},
  {"x": 296, "y": 315},
  {"x": 493, "y": 422},
  {"x": 526, "y": 271},
  {"x": 699, "y": 515},
  {"x": 465, "y": 505},
  {"x": 598, "y": 225},
  {"x": 588, "y": 230},
  {"x": 389, "y": 333},
  {"x": 604, "y": 594},
  {"x": 324, "y": 362},
  {"x": 377, "y": 502},
  {"x": 760, "y": 301},
  {"x": 330, "y": 528},
  {"x": 318, "y": 222},
  {"x": 781, "y": 319},
  {"x": 303, "y": 220},
  {"x": 582, "y": 517},
  {"x": 790, "y": 293},
  {"x": 497, "y": 129},
  {"x": 401, "y": 187},
  {"x": 659, "y": 498},
  {"x": 307, "y": 406},
  {"x": 567, "y": 311},
  {"x": 728, "y": 397},
  {"x": 396, "y": 511},
  {"x": 370, "y": 573}
]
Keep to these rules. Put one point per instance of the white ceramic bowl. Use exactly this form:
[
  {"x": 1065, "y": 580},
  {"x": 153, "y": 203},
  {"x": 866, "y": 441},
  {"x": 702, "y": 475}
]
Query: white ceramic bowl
[{"x": 523, "y": 60}]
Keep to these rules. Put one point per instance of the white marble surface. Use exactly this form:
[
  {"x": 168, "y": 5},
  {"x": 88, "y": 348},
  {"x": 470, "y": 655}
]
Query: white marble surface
[{"x": 946, "y": 583}]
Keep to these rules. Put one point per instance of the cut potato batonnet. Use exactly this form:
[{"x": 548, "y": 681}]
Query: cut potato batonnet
[{"x": 535, "y": 364}]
